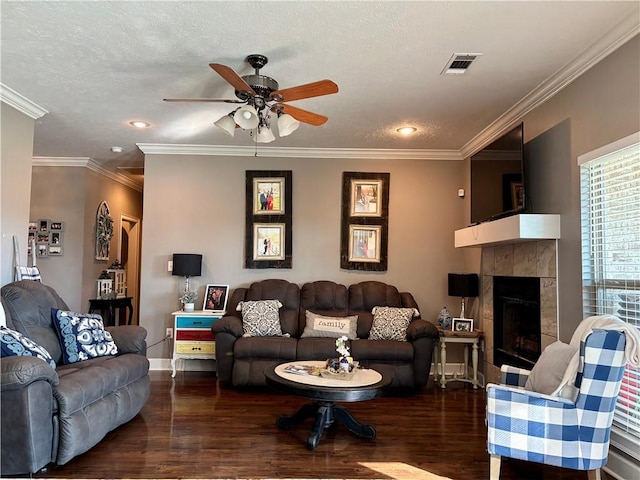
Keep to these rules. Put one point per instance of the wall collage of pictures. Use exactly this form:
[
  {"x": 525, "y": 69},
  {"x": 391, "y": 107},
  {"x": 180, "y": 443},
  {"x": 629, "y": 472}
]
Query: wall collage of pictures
[
  {"x": 46, "y": 236},
  {"x": 364, "y": 227}
]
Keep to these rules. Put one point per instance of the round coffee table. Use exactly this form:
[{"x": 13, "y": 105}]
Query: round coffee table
[{"x": 365, "y": 385}]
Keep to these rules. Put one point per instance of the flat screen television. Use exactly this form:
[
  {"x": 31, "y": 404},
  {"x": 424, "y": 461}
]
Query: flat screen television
[{"x": 497, "y": 178}]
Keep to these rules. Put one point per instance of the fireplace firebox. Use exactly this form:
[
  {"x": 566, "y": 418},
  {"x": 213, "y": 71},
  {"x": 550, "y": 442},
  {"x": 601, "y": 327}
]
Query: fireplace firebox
[{"x": 516, "y": 321}]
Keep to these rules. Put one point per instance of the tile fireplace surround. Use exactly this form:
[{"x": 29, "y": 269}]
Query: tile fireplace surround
[{"x": 522, "y": 259}]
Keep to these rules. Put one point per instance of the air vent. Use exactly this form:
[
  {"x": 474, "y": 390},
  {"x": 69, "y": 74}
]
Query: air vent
[{"x": 459, "y": 63}]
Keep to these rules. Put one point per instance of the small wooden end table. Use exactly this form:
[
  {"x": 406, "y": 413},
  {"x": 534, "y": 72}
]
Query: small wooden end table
[
  {"x": 466, "y": 338},
  {"x": 365, "y": 385}
]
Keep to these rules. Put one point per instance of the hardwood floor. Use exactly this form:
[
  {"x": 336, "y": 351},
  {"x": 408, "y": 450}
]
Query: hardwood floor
[{"x": 192, "y": 428}]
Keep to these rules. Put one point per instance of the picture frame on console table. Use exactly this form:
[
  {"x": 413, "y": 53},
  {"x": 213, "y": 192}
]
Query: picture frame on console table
[
  {"x": 364, "y": 221},
  {"x": 462, "y": 325},
  {"x": 215, "y": 298}
]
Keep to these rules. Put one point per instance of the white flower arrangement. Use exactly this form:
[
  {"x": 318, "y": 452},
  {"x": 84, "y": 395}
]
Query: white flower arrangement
[{"x": 341, "y": 348}]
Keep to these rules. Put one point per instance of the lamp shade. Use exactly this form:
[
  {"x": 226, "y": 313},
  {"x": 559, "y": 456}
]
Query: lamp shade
[
  {"x": 187, "y": 264},
  {"x": 265, "y": 135},
  {"x": 227, "y": 124},
  {"x": 463, "y": 285},
  {"x": 287, "y": 124},
  {"x": 246, "y": 117}
]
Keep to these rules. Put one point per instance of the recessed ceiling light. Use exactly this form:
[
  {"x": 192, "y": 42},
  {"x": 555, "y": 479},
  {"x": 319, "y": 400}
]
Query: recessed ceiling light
[
  {"x": 139, "y": 124},
  {"x": 116, "y": 149},
  {"x": 407, "y": 130}
]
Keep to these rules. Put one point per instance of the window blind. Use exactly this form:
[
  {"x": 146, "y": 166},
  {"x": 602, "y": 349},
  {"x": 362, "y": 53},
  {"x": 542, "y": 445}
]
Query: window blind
[{"x": 610, "y": 202}]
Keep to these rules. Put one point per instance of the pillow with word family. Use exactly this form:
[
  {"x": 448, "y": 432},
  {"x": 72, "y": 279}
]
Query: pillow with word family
[
  {"x": 260, "y": 318},
  {"x": 390, "y": 323},
  {"x": 548, "y": 372},
  {"x": 82, "y": 336},
  {"x": 330, "y": 327},
  {"x": 13, "y": 343}
]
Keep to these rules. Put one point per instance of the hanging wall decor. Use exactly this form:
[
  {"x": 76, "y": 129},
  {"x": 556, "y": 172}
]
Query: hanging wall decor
[
  {"x": 365, "y": 221},
  {"x": 104, "y": 231},
  {"x": 268, "y": 242}
]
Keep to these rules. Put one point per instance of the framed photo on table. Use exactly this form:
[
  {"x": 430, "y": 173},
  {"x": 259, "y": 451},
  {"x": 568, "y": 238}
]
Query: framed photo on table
[
  {"x": 462, "y": 325},
  {"x": 268, "y": 196},
  {"x": 215, "y": 298}
]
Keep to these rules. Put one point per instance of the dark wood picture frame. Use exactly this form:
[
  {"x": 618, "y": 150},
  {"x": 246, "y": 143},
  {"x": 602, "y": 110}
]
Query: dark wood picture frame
[
  {"x": 352, "y": 220},
  {"x": 257, "y": 217}
]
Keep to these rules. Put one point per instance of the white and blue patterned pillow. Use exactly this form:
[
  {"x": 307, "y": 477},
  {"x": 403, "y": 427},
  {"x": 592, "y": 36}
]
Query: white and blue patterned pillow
[
  {"x": 260, "y": 318},
  {"x": 14, "y": 343},
  {"x": 82, "y": 336},
  {"x": 390, "y": 323}
]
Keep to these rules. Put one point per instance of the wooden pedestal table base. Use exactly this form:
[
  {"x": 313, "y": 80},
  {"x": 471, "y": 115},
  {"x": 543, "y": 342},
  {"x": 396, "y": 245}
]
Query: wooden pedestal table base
[{"x": 365, "y": 385}]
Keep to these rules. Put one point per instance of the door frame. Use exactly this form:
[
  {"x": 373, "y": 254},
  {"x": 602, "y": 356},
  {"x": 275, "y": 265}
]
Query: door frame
[{"x": 133, "y": 272}]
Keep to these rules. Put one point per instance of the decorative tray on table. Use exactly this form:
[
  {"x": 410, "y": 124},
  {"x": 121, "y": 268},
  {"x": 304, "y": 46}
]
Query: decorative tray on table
[{"x": 333, "y": 370}]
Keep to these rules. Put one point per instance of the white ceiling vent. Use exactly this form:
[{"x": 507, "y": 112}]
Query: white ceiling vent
[{"x": 459, "y": 63}]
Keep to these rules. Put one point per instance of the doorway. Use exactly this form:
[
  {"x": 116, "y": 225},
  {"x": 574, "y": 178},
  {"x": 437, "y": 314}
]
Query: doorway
[{"x": 129, "y": 255}]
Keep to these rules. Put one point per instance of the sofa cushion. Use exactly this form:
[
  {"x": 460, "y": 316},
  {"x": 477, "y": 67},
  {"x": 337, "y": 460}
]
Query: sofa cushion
[
  {"x": 276, "y": 348},
  {"x": 82, "y": 336},
  {"x": 391, "y": 351},
  {"x": 390, "y": 323},
  {"x": 330, "y": 327},
  {"x": 13, "y": 343},
  {"x": 549, "y": 370},
  {"x": 260, "y": 318}
]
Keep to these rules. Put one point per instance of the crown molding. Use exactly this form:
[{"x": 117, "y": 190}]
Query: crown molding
[
  {"x": 611, "y": 41},
  {"x": 292, "y": 152},
  {"x": 88, "y": 163},
  {"x": 20, "y": 103}
]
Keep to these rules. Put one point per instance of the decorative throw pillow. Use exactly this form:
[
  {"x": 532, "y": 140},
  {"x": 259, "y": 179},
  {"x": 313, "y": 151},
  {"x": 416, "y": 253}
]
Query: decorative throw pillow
[
  {"x": 82, "y": 336},
  {"x": 390, "y": 323},
  {"x": 330, "y": 327},
  {"x": 547, "y": 373},
  {"x": 14, "y": 343},
  {"x": 260, "y": 318}
]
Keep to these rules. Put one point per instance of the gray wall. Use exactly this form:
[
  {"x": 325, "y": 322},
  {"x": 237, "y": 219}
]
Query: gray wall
[
  {"x": 196, "y": 204},
  {"x": 72, "y": 195},
  {"x": 598, "y": 108},
  {"x": 15, "y": 185}
]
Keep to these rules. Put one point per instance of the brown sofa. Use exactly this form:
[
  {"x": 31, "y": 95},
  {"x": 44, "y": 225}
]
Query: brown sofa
[{"x": 241, "y": 361}]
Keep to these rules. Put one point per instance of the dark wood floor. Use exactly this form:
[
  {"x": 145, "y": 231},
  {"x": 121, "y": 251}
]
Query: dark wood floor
[{"x": 192, "y": 428}]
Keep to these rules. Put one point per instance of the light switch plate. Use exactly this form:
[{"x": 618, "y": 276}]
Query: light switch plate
[{"x": 170, "y": 266}]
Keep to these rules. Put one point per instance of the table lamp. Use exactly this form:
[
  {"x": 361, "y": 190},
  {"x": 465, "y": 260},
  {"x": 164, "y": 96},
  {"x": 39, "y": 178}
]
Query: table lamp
[
  {"x": 187, "y": 265},
  {"x": 463, "y": 285}
]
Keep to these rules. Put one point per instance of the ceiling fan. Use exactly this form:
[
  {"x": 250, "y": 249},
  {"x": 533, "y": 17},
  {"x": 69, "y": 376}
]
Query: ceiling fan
[{"x": 262, "y": 96}]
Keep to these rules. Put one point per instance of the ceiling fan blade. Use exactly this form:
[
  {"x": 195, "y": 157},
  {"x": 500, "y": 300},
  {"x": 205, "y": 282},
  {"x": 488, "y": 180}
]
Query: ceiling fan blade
[
  {"x": 315, "y": 89},
  {"x": 222, "y": 100},
  {"x": 305, "y": 116},
  {"x": 232, "y": 77}
]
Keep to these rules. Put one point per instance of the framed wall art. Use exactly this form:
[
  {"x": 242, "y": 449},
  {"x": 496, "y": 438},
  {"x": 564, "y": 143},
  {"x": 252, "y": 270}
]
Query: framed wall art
[
  {"x": 268, "y": 196},
  {"x": 48, "y": 236},
  {"x": 268, "y": 214},
  {"x": 364, "y": 221},
  {"x": 268, "y": 241},
  {"x": 215, "y": 298},
  {"x": 364, "y": 243}
]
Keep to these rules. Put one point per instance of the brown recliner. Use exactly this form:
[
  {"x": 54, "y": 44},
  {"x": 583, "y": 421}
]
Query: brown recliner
[{"x": 241, "y": 361}]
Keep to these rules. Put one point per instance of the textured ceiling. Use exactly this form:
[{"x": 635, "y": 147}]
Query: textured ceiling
[{"x": 94, "y": 66}]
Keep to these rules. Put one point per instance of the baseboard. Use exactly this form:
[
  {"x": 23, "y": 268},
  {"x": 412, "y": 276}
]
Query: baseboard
[{"x": 161, "y": 364}]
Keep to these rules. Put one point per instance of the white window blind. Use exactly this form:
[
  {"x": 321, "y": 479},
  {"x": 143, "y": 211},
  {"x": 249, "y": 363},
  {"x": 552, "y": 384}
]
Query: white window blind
[{"x": 610, "y": 198}]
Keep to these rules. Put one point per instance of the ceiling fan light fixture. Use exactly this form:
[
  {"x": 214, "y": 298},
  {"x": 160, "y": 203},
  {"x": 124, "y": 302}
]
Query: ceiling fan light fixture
[
  {"x": 286, "y": 124},
  {"x": 246, "y": 117},
  {"x": 264, "y": 135},
  {"x": 227, "y": 124}
]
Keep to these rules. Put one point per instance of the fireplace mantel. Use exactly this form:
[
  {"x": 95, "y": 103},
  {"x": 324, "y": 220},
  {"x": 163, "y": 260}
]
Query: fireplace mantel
[{"x": 517, "y": 228}]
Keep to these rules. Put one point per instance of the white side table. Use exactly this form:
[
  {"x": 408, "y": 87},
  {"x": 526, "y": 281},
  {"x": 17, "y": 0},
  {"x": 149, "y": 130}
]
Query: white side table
[
  {"x": 192, "y": 336},
  {"x": 466, "y": 338}
]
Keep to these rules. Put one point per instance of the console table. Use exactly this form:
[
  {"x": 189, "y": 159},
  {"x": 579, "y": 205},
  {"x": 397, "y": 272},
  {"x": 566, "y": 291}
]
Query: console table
[
  {"x": 465, "y": 338},
  {"x": 107, "y": 308}
]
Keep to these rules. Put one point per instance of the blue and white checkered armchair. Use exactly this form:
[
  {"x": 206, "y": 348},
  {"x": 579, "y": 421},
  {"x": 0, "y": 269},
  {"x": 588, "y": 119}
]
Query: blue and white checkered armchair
[{"x": 556, "y": 431}]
